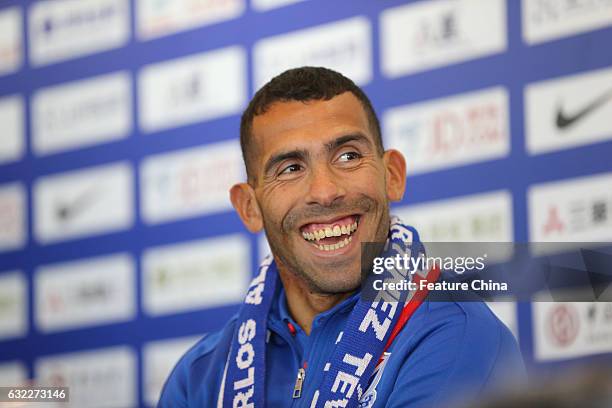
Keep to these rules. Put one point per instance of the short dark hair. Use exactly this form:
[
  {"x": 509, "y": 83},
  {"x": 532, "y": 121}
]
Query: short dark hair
[{"x": 303, "y": 84}]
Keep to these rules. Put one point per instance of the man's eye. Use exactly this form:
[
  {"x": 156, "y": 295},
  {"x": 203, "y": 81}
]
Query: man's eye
[
  {"x": 291, "y": 169},
  {"x": 348, "y": 156}
]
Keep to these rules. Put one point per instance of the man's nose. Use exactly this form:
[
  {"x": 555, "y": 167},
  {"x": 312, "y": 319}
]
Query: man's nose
[{"x": 325, "y": 187}]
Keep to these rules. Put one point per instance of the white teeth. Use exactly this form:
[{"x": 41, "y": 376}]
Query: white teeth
[
  {"x": 335, "y": 231},
  {"x": 335, "y": 246}
]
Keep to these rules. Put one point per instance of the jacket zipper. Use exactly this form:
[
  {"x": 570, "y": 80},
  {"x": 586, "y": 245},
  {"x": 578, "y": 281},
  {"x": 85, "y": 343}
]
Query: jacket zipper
[
  {"x": 297, "y": 390},
  {"x": 310, "y": 355},
  {"x": 299, "y": 381}
]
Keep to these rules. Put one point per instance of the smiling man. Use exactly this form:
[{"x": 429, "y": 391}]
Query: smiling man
[{"x": 319, "y": 184}]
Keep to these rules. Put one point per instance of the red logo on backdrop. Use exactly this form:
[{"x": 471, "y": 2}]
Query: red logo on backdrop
[
  {"x": 197, "y": 184},
  {"x": 478, "y": 126},
  {"x": 563, "y": 325},
  {"x": 553, "y": 223}
]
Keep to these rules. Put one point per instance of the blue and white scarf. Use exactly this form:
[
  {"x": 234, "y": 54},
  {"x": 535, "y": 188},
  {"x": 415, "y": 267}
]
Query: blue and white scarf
[{"x": 346, "y": 375}]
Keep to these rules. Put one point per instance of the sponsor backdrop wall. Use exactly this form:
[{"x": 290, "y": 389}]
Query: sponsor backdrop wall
[{"x": 119, "y": 126}]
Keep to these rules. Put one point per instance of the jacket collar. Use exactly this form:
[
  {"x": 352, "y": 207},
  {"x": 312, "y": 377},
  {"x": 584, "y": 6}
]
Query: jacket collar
[{"x": 279, "y": 314}]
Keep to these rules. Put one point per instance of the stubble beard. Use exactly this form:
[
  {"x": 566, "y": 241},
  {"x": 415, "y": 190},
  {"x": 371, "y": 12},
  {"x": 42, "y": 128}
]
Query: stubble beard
[{"x": 316, "y": 279}]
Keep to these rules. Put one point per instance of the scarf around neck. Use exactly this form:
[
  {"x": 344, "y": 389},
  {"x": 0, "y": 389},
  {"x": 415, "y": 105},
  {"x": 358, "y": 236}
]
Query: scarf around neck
[{"x": 345, "y": 377}]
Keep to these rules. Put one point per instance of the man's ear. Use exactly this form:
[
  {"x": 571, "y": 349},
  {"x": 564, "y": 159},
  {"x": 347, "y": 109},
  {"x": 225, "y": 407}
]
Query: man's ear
[
  {"x": 395, "y": 169},
  {"x": 243, "y": 200}
]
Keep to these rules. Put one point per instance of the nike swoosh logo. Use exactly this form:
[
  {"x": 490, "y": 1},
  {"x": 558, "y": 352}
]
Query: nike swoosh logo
[
  {"x": 67, "y": 210},
  {"x": 564, "y": 120}
]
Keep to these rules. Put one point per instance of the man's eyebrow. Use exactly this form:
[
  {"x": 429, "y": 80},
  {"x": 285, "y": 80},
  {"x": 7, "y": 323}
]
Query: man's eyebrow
[
  {"x": 279, "y": 157},
  {"x": 356, "y": 137}
]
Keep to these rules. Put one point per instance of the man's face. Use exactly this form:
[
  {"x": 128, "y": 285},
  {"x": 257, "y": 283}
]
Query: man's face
[{"x": 321, "y": 187}]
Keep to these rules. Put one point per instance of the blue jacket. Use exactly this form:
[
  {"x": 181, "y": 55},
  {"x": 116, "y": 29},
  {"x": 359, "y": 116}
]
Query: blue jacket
[{"x": 447, "y": 351}]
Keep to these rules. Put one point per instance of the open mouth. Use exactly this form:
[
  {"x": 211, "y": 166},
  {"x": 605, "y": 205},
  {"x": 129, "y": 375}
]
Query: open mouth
[{"x": 332, "y": 235}]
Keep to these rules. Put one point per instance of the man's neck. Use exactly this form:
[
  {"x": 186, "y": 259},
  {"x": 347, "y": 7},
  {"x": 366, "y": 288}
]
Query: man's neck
[{"x": 303, "y": 303}]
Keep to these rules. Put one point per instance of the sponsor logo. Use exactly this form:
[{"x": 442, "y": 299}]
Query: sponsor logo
[
  {"x": 476, "y": 218},
  {"x": 192, "y": 89},
  {"x": 159, "y": 357},
  {"x": 12, "y": 374},
  {"x": 64, "y": 29},
  {"x": 13, "y": 135},
  {"x": 546, "y": 20},
  {"x": 575, "y": 210},
  {"x": 157, "y": 18},
  {"x": 13, "y": 305},
  {"x": 85, "y": 293},
  {"x": 483, "y": 217},
  {"x": 553, "y": 221},
  {"x": 195, "y": 275},
  {"x": 564, "y": 330},
  {"x": 563, "y": 324},
  {"x": 451, "y": 131},
  {"x": 66, "y": 211},
  {"x": 11, "y": 42},
  {"x": 107, "y": 375},
  {"x": 13, "y": 222},
  {"x": 567, "y": 112},
  {"x": 564, "y": 120},
  {"x": 84, "y": 202},
  {"x": 431, "y": 34},
  {"x": 179, "y": 184},
  {"x": 264, "y": 5},
  {"x": 344, "y": 46},
  {"x": 82, "y": 113}
]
